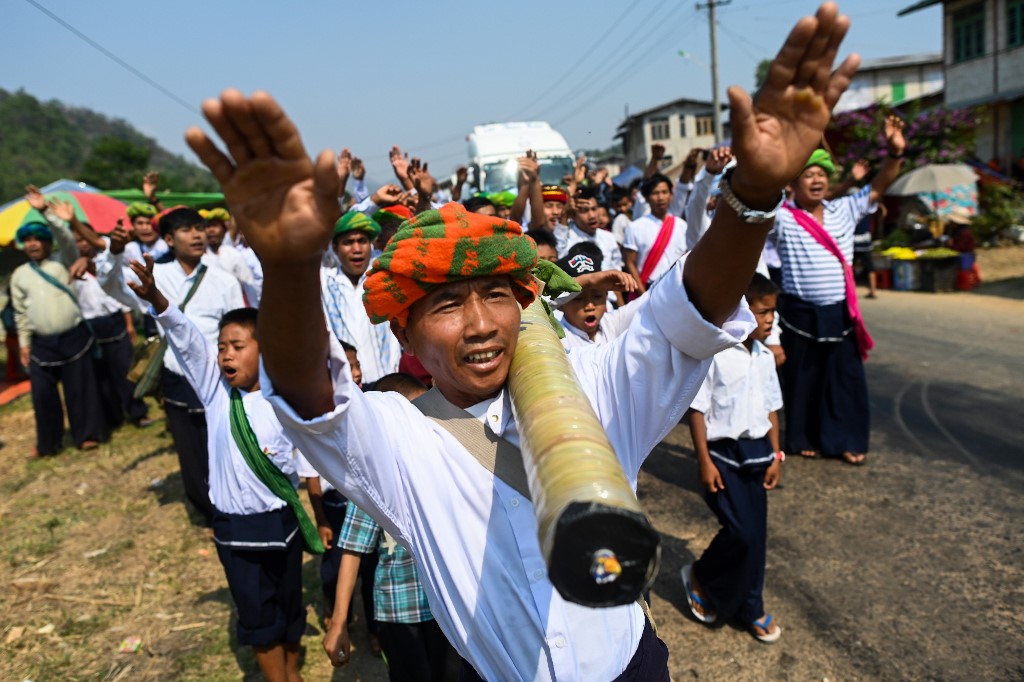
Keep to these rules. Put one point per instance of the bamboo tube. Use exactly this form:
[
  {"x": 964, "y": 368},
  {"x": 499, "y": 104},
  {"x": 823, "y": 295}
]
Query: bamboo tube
[{"x": 599, "y": 546}]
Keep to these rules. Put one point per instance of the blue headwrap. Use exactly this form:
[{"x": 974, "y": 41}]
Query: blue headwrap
[{"x": 34, "y": 229}]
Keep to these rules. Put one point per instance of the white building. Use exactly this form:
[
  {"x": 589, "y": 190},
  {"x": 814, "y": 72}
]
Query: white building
[
  {"x": 983, "y": 58},
  {"x": 893, "y": 80},
  {"x": 679, "y": 125}
]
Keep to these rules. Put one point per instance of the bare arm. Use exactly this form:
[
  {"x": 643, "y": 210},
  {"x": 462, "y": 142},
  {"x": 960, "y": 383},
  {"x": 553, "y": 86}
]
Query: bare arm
[
  {"x": 891, "y": 166},
  {"x": 286, "y": 206},
  {"x": 460, "y": 179},
  {"x": 773, "y": 433},
  {"x": 710, "y": 477},
  {"x": 629, "y": 262},
  {"x": 772, "y": 139},
  {"x": 654, "y": 165},
  {"x": 337, "y": 644}
]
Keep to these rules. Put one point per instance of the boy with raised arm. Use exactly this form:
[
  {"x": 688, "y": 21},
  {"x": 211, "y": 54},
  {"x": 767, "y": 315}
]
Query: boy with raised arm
[
  {"x": 474, "y": 539},
  {"x": 259, "y": 525}
]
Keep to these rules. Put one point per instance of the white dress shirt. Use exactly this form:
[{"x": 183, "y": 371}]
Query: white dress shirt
[
  {"x": 234, "y": 487},
  {"x": 739, "y": 392},
  {"x": 93, "y": 300},
  {"x": 377, "y": 348},
  {"x": 230, "y": 260},
  {"x": 641, "y": 234},
  {"x": 567, "y": 237},
  {"x": 613, "y": 324},
  {"x": 134, "y": 250},
  {"x": 218, "y": 293},
  {"x": 473, "y": 537}
]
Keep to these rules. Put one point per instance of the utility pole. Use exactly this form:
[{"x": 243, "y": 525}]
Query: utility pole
[{"x": 710, "y": 6}]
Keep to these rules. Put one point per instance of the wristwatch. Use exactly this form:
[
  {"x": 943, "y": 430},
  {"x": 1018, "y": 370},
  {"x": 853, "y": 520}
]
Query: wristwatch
[{"x": 744, "y": 212}]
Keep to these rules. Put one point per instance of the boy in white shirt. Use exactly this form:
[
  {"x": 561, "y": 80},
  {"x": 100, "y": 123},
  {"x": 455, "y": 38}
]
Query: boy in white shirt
[
  {"x": 584, "y": 316},
  {"x": 259, "y": 525},
  {"x": 734, "y": 422}
]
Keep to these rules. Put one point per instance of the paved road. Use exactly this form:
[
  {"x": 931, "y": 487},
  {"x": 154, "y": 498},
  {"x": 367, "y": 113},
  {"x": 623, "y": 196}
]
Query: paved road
[{"x": 909, "y": 568}]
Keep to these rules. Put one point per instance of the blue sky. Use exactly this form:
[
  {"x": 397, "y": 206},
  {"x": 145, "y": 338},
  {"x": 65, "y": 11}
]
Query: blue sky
[{"x": 419, "y": 74}]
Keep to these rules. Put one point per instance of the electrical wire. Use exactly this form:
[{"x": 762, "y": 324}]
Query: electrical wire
[{"x": 120, "y": 62}]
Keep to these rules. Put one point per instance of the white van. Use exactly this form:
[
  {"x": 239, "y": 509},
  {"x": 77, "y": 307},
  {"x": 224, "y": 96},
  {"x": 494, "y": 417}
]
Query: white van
[{"x": 494, "y": 148}]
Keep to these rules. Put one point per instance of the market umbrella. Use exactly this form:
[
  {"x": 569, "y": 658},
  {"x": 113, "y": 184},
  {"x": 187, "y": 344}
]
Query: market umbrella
[
  {"x": 99, "y": 210},
  {"x": 933, "y": 178}
]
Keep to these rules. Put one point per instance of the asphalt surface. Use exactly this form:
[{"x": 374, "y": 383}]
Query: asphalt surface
[{"x": 909, "y": 568}]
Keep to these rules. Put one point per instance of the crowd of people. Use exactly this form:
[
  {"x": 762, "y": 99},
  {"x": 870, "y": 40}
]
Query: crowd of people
[{"x": 297, "y": 344}]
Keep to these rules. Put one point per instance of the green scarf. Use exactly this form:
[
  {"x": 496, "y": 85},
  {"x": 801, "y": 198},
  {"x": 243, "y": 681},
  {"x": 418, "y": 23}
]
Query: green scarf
[{"x": 270, "y": 475}]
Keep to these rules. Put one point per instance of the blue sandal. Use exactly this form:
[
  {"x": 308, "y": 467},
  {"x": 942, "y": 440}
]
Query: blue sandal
[
  {"x": 765, "y": 624},
  {"x": 693, "y": 599}
]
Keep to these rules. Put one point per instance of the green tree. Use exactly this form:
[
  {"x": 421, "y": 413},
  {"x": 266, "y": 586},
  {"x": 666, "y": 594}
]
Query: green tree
[{"x": 115, "y": 163}]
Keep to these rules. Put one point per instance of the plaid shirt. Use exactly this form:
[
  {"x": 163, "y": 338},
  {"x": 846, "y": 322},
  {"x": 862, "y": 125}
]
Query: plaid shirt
[{"x": 397, "y": 594}]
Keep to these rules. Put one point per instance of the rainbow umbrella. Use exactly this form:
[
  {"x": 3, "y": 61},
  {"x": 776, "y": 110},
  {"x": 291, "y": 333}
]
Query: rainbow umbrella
[{"x": 99, "y": 210}]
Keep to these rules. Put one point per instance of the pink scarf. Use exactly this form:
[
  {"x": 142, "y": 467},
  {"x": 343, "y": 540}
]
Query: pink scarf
[{"x": 807, "y": 221}]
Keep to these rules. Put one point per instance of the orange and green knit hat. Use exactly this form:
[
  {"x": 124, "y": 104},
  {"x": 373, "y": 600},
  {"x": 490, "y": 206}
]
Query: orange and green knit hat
[{"x": 442, "y": 246}]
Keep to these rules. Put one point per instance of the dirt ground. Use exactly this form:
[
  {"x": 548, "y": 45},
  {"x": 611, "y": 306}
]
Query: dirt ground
[{"x": 904, "y": 569}]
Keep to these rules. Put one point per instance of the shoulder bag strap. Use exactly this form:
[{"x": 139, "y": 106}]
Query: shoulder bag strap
[
  {"x": 270, "y": 475},
  {"x": 495, "y": 454}
]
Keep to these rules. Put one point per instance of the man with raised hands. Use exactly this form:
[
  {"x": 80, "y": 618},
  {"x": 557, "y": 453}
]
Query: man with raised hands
[{"x": 474, "y": 541}]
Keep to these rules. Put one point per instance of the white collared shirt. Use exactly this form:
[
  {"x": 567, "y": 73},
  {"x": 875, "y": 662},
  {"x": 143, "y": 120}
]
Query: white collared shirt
[
  {"x": 611, "y": 254},
  {"x": 377, "y": 348},
  {"x": 234, "y": 488},
  {"x": 231, "y": 261},
  {"x": 642, "y": 233},
  {"x": 93, "y": 300},
  {"x": 739, "y": 392},
  {"x": 613, "y": 324},
  {"x": 218, "y": 293},
  {"x": 473, "y": 537}
]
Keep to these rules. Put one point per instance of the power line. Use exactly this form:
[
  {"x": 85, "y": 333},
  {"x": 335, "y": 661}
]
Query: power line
[
  {"x": 125, "y": 65},
  {"x": 593, "y": 46},
  {"x": 627, "y": 68},
  {"x": 596, "y": 74}
]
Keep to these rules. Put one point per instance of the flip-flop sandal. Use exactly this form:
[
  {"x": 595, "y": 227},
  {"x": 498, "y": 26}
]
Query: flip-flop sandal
[
  {"x": 808, "y": 454},
  {"x": 693, "y": 599},
  {"x": 765, "y": 624},
  {"x": 854, "y": 459}
]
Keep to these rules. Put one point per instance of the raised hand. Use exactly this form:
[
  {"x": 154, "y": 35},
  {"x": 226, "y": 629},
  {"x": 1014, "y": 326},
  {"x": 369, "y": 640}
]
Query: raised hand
[
  {"x": 387, "y": 195},
  {"x": 358, "y": 169},
  {"x": 150, "y": 183},
  {"x": 64, "y": 210},
  {"x": 35, "y": 198},
  {"x": 894, "y": 135},
  {"x": 775, "y": 134},
  {"x": 461, "y": 174},
  {"x": 718, "y": 159},
  {"x": 529, "y": 168},
  {"x": 860, "y": 170},
  {"x": 424, "y": 182},
  {"x": 118, "y": 238},
  {"x": 580, "y": 171},
  {"x": 657, "y": 152},
  {"x": 284, "y": 204},
  {"x": 78, "y": 269},
  {"x": 146, "y": 288},
  {"x": 344, "y": 168},
  {"x": 399, "y": 163}
]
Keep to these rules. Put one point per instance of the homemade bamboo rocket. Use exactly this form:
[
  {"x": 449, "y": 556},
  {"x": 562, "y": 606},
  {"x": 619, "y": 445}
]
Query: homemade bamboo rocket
[{"x": 599, "y": 546}]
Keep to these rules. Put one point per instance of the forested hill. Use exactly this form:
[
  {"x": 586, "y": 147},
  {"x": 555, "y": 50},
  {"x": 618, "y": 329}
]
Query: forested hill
[{"x": 43, "y": 141}]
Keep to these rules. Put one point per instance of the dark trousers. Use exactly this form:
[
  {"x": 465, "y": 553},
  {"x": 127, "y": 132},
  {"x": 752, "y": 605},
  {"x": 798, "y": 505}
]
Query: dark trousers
[
  {"x": 187, "y": 424},
  {"x": 265, "y": 582},
  {"x": 65, "y": 359},
  {"x": 824, "y": 387},
  {"x": 116, "y": 354},
  {"x": 648, "y": 664},
  {"x": 415, "y": 652},
  {"x": 731, "y": 570},
  {"x": 335, "y": 505}
]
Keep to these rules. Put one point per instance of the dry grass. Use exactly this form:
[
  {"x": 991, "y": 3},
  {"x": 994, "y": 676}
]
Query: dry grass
[{"x": 97, "y": 547}]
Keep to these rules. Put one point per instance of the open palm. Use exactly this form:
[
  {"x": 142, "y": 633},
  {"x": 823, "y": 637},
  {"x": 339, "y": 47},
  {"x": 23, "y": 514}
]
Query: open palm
[
  {"x": 775, "y": 134},
  {"x": 285, "y": 204}
]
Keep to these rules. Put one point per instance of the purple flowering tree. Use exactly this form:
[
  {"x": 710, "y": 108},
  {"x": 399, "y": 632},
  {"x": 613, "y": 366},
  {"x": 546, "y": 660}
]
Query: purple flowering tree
[{"x": 935, "y": 135}]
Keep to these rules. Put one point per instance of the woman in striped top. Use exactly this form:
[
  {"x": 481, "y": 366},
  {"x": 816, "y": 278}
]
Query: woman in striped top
[{"x": 824, "y": 387}]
